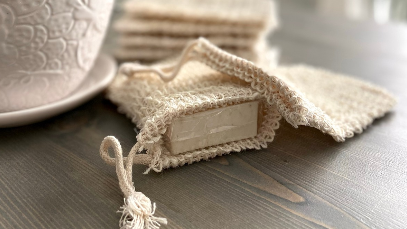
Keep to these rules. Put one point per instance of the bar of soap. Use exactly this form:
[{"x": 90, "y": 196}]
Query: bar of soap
[{"x": 212, "y": 127}]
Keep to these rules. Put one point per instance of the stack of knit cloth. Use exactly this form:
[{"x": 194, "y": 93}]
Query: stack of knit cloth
[{"x": 152, "y": 30}]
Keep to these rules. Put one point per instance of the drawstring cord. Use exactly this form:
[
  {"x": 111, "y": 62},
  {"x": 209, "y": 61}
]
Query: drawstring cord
[
  {"x": 166, "y": 73},
  {"x": 137, "y": 211}
]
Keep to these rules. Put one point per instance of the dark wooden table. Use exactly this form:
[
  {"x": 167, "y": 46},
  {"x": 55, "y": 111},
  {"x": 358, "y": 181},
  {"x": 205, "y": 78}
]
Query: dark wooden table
[{"x": 51, "y": 174}]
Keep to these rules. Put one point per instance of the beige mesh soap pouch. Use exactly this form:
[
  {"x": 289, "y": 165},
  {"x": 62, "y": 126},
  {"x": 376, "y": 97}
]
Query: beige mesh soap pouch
[{"x": 209, "y": 103}]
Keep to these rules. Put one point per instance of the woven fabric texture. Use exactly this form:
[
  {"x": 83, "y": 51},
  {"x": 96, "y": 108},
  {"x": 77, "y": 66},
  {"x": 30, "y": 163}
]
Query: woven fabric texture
[
  {"x": 171, "y": 42},
  {"x": 152, "y": 54},
  {"x": 156, "y": 29},
  {"x": 187, "y": 28},
  {"x": 252, "y": 13},
  {"x": 207, "y": 77}
]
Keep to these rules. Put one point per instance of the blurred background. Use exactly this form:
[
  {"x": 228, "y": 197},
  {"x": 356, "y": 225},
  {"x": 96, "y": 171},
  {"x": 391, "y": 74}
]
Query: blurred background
[
  {"x": 355, "y": 25},
  {"x": 381, "y": 11}
]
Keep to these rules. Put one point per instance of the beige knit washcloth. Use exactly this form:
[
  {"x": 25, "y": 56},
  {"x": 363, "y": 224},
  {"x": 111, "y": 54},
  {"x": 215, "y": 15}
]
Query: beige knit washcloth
[
  {"x": 152, "y": 40},
  {"x": 150, "y": 48},
  {"x": 168, "y": 42},
  {"x": 184, "y": 28},
  {"x": 151, "y": 54},
  {"x": 206, "y": 77},
  {"x": 155, "y": 29},
  {"x": 231, "y": 12}
]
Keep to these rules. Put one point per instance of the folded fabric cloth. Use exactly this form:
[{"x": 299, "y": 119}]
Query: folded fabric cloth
[
  {"x": 252, "y": 13},
  {"x": 170, "y": 25},
  {"x": 151, "y": 54},
  {"x": 183, "y": 28},
  {"x": 150, "y": 48},
  {"x": 174, "y": 42},
  {"x": 206, "y": 77}
]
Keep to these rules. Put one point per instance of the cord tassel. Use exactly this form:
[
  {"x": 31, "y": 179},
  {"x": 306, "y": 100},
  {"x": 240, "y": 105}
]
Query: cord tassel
[{"x": 137, "y": 211}]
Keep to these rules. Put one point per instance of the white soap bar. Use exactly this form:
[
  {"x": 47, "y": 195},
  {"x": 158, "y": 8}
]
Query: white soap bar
[{"x": 212, "y": 127}]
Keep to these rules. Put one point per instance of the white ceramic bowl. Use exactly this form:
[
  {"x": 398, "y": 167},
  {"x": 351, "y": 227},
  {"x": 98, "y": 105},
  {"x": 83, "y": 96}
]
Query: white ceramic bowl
[{"x": 47, "y": 48}]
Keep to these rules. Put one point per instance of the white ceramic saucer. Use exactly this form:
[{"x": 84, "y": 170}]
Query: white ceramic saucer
[{"x": 99, "y": 77}]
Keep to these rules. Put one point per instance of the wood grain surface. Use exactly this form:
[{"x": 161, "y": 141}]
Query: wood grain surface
[{"x": 51, "y": 174}]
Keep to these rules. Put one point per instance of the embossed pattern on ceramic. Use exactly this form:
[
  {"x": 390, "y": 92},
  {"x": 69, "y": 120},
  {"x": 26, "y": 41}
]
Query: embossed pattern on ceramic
[{"x": 47, "y": 48}]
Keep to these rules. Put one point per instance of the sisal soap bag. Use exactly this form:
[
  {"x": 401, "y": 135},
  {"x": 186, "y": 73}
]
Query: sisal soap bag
[{"x": 207, "y": 79}]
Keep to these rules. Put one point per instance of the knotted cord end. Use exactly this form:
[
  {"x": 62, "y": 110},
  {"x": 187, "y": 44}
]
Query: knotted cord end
[{"x": 138, "y": 213}]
